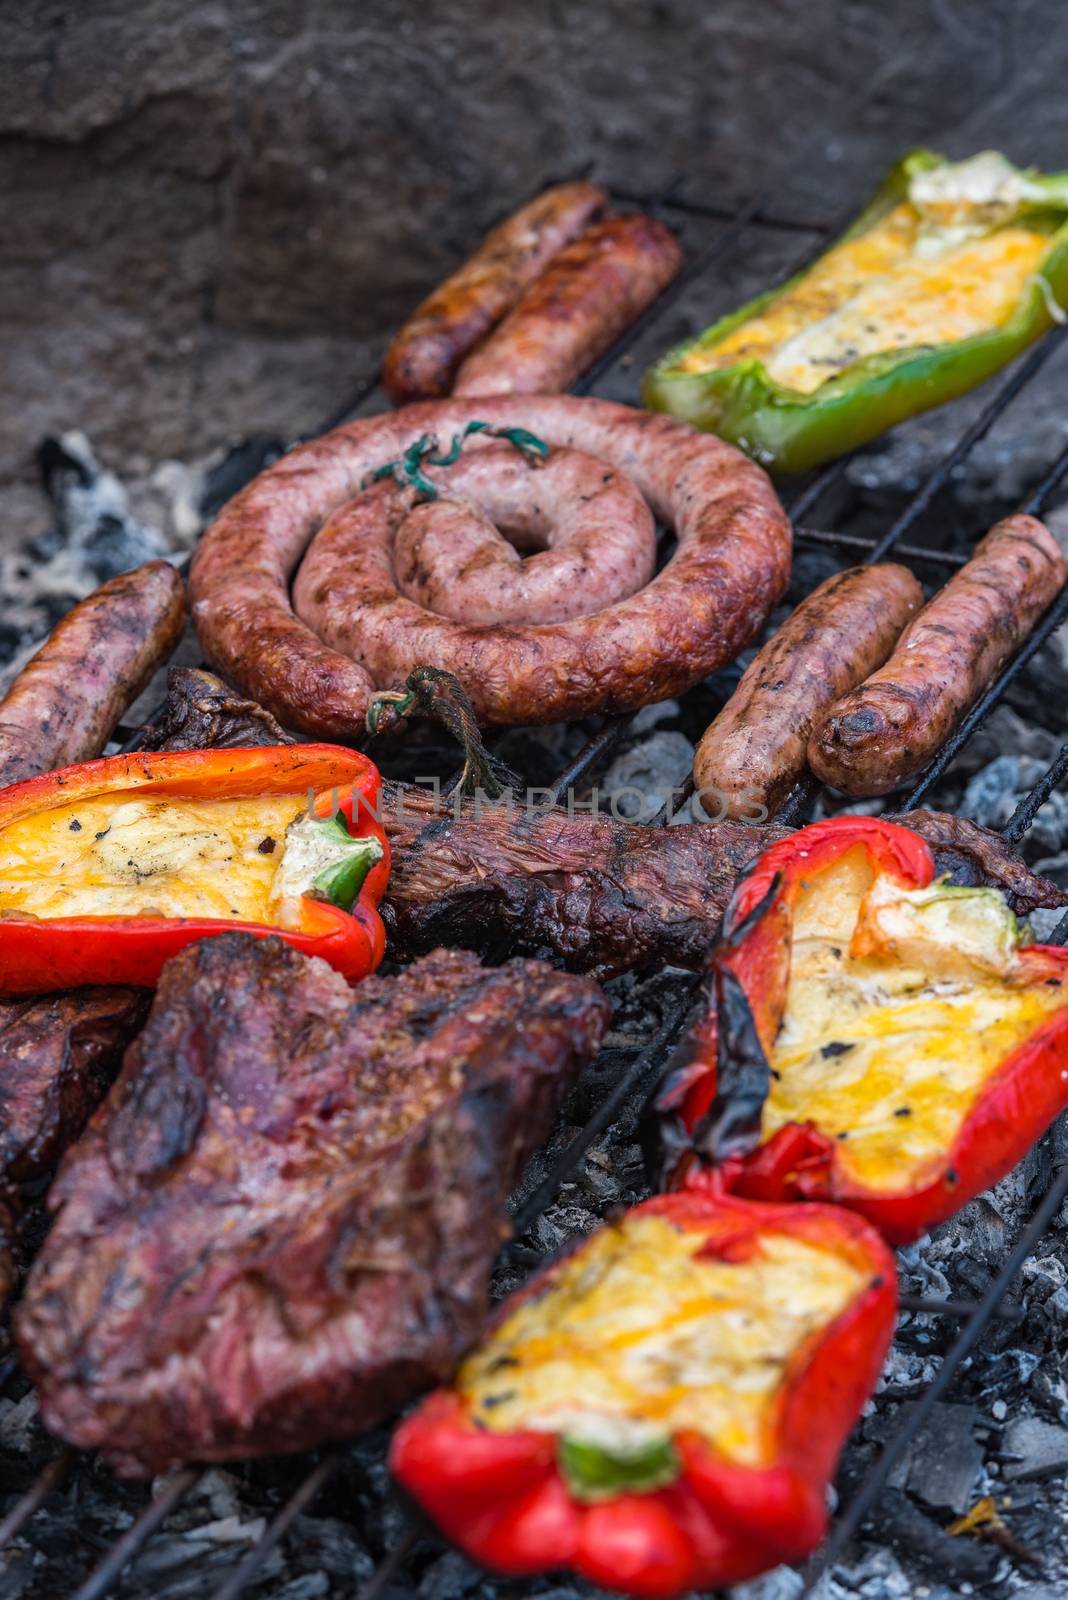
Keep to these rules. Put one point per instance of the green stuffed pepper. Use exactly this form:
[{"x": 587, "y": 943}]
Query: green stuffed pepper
[{"x": 950, "y": 271}]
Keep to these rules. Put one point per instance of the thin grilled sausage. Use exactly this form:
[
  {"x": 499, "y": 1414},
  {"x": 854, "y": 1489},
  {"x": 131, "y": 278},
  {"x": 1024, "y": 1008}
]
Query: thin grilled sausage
[
  {"x": 422, "y": 361},
  {"x": 576, "y": 309},
  {"x": 751, "y": 756},
  {"x": 886, "y": 731},
  {"x": 66, "y": 701}
]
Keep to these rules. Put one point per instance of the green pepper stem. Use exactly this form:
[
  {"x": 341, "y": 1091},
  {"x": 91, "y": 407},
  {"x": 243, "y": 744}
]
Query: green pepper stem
[{"x": 593, "y": 1472}]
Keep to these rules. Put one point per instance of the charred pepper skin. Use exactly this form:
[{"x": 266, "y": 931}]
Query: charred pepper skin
[
  {"x": 38, "y": 955},
  {"x": 788, "y": 431},
  {"x": 505, "y": 1500},
  {"x": 1010, "y": 1111}
]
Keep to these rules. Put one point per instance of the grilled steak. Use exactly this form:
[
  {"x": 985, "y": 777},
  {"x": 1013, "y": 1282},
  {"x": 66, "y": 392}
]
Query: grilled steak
[
  {"x": 598, "y": 895},
  {"x": 57, "y": 1057},
  {"x": 282, "y": 1223}
]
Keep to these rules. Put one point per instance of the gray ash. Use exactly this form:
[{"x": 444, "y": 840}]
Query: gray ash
[{"x": 93, "y": 537}]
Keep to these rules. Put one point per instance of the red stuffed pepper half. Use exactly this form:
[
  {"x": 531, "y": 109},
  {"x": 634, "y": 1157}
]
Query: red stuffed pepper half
[
  {"x": 662, "y": 1408},
  {"x": 874, "y": 1037},
  {"x": 110, "y": 867}
]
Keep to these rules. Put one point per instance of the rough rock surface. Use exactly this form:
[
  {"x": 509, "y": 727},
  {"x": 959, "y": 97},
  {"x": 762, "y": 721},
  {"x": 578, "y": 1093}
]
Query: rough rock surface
[{"x": 214, "y": 206}]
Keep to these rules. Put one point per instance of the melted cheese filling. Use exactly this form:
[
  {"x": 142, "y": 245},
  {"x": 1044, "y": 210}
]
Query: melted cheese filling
[
  {"x": 122, "y": 855},
  {"x": 887, "y": 1052},
  {"x": 900, "y": 285},
  {"x": 638, "y": 1339}
]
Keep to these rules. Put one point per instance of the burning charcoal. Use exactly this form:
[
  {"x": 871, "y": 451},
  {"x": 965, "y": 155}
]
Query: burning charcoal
[
  {"x": 1057, "y": 1305},
  {"x": 875, "y": 1576},
  {"x": 640, "y": 780},
  {"x": 926, "y": 1547},
  {"x": 1005, "y": 731},
  {"x": 92, "y": 509},
  {"x": 95, "y": 537},
  {"x": 450, "y": 1577},
  {"x": 782, "y": 1584},
  {"x": 238, "y": 467},
  {"x": 1037, "y": 1448},
  {"x": 944, "y": 1460},
  {"x": 993, "y": 794}
]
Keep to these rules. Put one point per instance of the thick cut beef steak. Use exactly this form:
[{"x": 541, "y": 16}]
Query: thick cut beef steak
[
  {"x": 281, "y": 1224},
  {"x": 57, "y": 1057}
]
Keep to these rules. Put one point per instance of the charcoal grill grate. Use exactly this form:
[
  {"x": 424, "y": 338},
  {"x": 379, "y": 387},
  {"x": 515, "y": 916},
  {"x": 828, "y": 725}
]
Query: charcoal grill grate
[{"x": 648, "y": 1063}]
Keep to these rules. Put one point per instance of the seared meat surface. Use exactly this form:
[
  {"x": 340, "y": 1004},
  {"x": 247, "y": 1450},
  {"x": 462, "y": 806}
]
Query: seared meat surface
[
  {"x": 598, "y": 895},
  {"x": 604, "y": 896},
  {"x": 57, "y": 1057},
  {"x": 201, "y": 713},
  {"x": 281, "y": 1225}
]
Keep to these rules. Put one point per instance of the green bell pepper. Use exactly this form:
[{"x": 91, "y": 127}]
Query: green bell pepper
[{"x": 929, "y": 218}]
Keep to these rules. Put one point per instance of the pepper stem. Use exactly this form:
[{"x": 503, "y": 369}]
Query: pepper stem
[
  {"x": 324, "y": 860},
  {"x": 593, "y": 1472}
]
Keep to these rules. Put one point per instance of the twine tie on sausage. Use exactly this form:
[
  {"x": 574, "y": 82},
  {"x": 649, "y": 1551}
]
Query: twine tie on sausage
[
  {"x": 430, "y": 692},
  {"x": 408, "y": 471}
]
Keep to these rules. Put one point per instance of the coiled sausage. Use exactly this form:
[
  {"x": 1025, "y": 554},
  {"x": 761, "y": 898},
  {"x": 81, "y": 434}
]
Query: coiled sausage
[{"x": 730, "y": 566}]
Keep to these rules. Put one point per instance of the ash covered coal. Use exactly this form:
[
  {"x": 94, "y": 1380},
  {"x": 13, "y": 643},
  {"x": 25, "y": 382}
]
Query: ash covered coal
[{"x": 93, "y": 536}]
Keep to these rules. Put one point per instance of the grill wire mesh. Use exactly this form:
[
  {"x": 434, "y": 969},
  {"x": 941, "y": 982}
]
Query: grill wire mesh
[{"x": 730, "y": 229}]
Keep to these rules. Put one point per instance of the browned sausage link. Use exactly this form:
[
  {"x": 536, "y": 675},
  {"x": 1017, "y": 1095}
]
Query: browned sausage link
[
  {"x": 569, "y": 316},
  {"x": 730, "y": 566},
  {"x": 754, "y": 752},
  {"x": 421, "y": 362},
  {"x": 65, "y": 703},
  {"x": 886, "y": 731}
]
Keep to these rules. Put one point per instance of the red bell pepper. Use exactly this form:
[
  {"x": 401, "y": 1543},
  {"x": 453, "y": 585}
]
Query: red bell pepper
[
  {"x": 662, "y": 1408},
  {"x": 99, "y": 861},
  {"x": 873, "y": 1038}
]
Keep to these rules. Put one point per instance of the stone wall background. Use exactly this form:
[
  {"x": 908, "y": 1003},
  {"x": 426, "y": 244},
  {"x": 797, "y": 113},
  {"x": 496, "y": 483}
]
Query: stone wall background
[{"x": 211, "y": 207}]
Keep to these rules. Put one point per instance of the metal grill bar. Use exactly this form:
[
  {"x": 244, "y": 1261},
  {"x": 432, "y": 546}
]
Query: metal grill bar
[
  {"x": 920, "y": 1412},
  {"x": 803, "y": 502},
  {"x": 49, "y": 1478},
  {"x": 593, "y": 750},
  {"x": 637, "y": 1076},
  {"x": 865, "y": 547},
  {"x": 1036, "y": 797},
  {"x": 278, "y": 1527},
  {"x": 137, "y": 1535},
  {"x": 763, "y": 217},
  {"x": 1029, "y": 368}
]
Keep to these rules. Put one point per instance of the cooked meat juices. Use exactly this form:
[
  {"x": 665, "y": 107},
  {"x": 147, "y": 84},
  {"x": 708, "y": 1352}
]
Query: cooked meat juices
[
  {"x": 751, "y": 756},
  {"x": 576, "y": 309},
  {"x": 422, "y": 360},
  {"x": 730, "y": 566},
  {"x": 57, "y": 1058},
  {"x": 281, "y": 1225},
  {"x": 888, "y": 729},
  {"x": 65, "y": 703}
]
